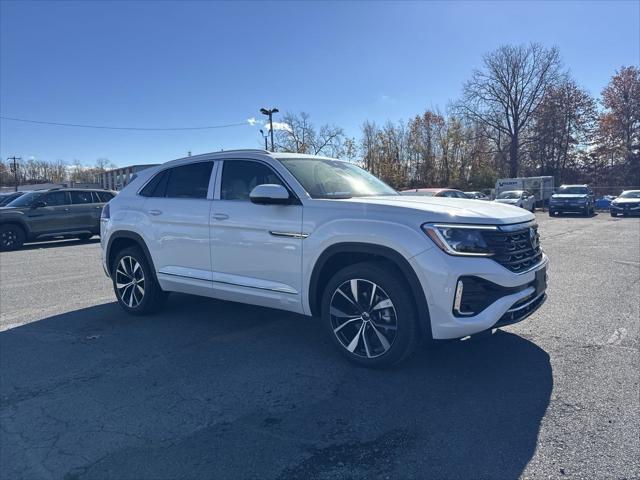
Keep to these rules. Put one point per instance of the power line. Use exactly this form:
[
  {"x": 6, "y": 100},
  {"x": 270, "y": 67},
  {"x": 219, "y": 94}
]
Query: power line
[{"x": 104, "y": 127}]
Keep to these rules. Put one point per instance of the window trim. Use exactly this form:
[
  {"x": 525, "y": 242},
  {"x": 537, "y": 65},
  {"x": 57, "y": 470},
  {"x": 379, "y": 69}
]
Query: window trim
[
  {"x": 210, "y": 187},
  {"x": 295, "y": 199}
]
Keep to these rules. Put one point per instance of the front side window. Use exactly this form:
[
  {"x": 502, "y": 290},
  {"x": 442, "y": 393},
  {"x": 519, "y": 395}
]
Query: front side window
[
  {"x": 335, "y": 179},
  {"x": 80, "y": 197},
  {"x": 239, "y": 177}
]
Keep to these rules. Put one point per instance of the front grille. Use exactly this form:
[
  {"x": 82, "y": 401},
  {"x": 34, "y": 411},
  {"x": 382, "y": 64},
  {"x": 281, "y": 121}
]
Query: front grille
[{"x": 517, "y": 250}]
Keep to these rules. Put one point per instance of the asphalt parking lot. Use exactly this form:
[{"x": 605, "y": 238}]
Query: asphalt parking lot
[{"x": 209, "y": 389}]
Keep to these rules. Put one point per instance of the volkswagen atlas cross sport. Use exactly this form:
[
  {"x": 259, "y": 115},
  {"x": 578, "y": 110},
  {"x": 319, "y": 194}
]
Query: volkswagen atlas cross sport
[{"x": 322, "y": 237}]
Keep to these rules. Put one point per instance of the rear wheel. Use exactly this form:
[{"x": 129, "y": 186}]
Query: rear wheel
[
  {"x": 136, "y": 289},
  {"x": 370, "y": 315},
  {"x": 11, "y": 237}
]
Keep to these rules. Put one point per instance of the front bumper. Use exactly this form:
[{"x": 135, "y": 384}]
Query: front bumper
[
  {"x": 623, "y": 209},
  {"x": 569, "y": 207},
  {"x": 439, "y": 273}
]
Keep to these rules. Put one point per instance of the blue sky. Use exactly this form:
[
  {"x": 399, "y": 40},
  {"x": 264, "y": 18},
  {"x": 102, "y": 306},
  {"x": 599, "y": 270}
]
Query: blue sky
[{"x": 182, "y": 64}]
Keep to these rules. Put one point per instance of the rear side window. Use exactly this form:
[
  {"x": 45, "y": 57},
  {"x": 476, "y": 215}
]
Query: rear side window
[
  {"x": 80, "y": 197},
  {"x": 103, "y": 197},
  {"x": 54, "y": 199},
  {"x": 157, "y": 185},
  {"x": 187, "y": 181}
]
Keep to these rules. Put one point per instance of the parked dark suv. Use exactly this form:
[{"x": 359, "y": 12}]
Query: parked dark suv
[{"x": 47, "y": 214}]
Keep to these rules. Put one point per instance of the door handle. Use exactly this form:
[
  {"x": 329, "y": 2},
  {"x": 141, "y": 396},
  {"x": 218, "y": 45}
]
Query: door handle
[
  {"x": 220, "y": 216},
  {"x": 154, "y": 212},
  {"x": 66, "y": 209}
]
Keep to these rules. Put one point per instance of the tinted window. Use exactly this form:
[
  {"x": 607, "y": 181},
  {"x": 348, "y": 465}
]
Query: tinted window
[
  {"x": 157, "y": 185},
  {"x": 239, "y": 177},
  {"x": 103, "y": 197},
  {"x": 55, "y": 198},
  {"x": 81, "y": 197},
  {"x": 189, "y": 181}
]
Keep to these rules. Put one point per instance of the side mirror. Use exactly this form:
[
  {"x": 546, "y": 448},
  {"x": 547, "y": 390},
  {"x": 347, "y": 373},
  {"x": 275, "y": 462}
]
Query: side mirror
[
  {"x": 270, "y": 194},
  {"x": 39, "y": 204}
]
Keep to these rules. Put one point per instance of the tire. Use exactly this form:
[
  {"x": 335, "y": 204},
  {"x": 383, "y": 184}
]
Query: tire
[
  {"x": 12, "y": 237},
  {"x": 143, "y": 295},
  {"x": 85, "y": 237},
  {"x": 613, "y": 214},
  {"x": 374, "y": 337},
  {"x": 551, "y": 213}
]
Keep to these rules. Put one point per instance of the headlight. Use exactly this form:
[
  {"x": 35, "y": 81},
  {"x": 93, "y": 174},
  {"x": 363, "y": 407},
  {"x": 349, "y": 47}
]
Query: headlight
[{"x": 459, "y": 239}]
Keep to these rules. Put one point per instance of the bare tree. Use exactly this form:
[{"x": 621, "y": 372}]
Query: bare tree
[
  {"x": 298, "y": 135},
  {"x": 506, "y": 91}
]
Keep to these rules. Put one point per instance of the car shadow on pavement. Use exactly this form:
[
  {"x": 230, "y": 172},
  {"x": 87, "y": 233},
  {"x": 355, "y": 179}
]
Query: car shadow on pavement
[{"x": 209, "y": 389}]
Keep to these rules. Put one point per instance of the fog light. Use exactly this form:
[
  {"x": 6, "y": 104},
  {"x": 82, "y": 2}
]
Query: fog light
[{"x": 457, "y": 301}]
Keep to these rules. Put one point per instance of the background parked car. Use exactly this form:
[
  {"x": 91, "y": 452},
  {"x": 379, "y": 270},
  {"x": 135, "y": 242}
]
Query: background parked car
[
  {"x": 604, "y": 202},
  {"x": 435, "y": 192},
  {"x": 519, "y": 198},
  {"x": 628, "y": 203},
  {"x": 47, "y": 214},
  {"x": 477, "y": 195},
  {"x": 573, "y": 198},
  {"x": 6, "y": 198}
]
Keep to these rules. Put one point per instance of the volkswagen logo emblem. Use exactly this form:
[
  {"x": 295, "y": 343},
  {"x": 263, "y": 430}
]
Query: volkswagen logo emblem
[{"x": 533, "y": 238}]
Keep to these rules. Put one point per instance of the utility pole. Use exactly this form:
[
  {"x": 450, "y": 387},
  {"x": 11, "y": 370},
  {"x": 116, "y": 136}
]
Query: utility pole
[
  {"x": 269, "y": 113},
  {"x": 14, "y": 167}
]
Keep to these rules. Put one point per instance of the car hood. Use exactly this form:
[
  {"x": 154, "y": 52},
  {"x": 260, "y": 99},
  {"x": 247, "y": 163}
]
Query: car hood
[
  {"x": 626, "y": 200},
  {"x": 442, "y": 209},
  {"x": 569, "y": 196},
  {"x": 507, "y": 200}
]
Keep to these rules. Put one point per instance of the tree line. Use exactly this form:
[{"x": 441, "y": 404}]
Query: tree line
[
  {"x": 34, "y": 171},
  {"x": 520, "y": 114}
]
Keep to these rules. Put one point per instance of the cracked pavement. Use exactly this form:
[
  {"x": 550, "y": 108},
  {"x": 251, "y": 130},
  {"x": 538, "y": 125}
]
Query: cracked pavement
[{"x": 210, "y": 389}]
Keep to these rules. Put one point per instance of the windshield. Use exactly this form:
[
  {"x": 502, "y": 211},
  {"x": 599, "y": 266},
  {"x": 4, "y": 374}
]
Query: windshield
[
  {"x": 514, "y": 194},
  {"x": 335, "y": 179},
  {"x": 630, "y": 194},
  {"x": 572, "y": 191},
  {"x": 25, "y": 200}
]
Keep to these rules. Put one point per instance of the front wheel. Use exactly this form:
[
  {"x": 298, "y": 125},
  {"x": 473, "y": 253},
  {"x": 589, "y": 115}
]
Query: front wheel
[
  {"x": 370, "y": 315},
  {"x": 136, "y": 289},
  {"x": 11, "y": 237}
]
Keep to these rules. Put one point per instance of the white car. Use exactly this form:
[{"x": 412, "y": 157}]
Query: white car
[
  {"x": 322, "y": 237},
  {"x": 518, "y": 198}
]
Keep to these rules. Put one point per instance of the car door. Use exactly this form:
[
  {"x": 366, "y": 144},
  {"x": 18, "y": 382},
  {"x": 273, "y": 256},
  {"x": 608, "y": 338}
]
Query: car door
[
  {"x": 52, "y": 216},
  {"x": 256, "y": 250},
  {"x": 82, "y": 211},
  {"x": 176, "y": 211}
]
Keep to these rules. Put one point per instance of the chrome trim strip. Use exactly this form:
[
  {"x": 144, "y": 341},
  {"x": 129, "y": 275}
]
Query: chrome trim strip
[
  {"x": 289, "y": 234},
  {"x": 511, "y": 310},
  {"x": 278, "y": 290}
]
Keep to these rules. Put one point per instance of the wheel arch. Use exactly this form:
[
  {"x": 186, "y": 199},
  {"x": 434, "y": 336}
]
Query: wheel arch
[
  {"x": 123, "y": 239},
  {"x": 18, "y": 222},
  {"x": 340, "y": 255}
]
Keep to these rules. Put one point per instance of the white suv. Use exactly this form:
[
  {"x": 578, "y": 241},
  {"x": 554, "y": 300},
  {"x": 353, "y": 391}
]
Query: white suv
[{"x": 323, "y": 237}]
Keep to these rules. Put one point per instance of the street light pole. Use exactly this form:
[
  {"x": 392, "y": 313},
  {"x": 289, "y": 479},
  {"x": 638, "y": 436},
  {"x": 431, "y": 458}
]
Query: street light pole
[
  {"x": 15, "y": 169},
  {"x": 269, "y": 113}
]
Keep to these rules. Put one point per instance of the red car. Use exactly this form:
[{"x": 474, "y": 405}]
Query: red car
[{"x": 435, "y": 192}]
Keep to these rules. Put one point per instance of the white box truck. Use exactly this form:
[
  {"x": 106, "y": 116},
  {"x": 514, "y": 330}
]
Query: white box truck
[{"x": 541, "y": 187}]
